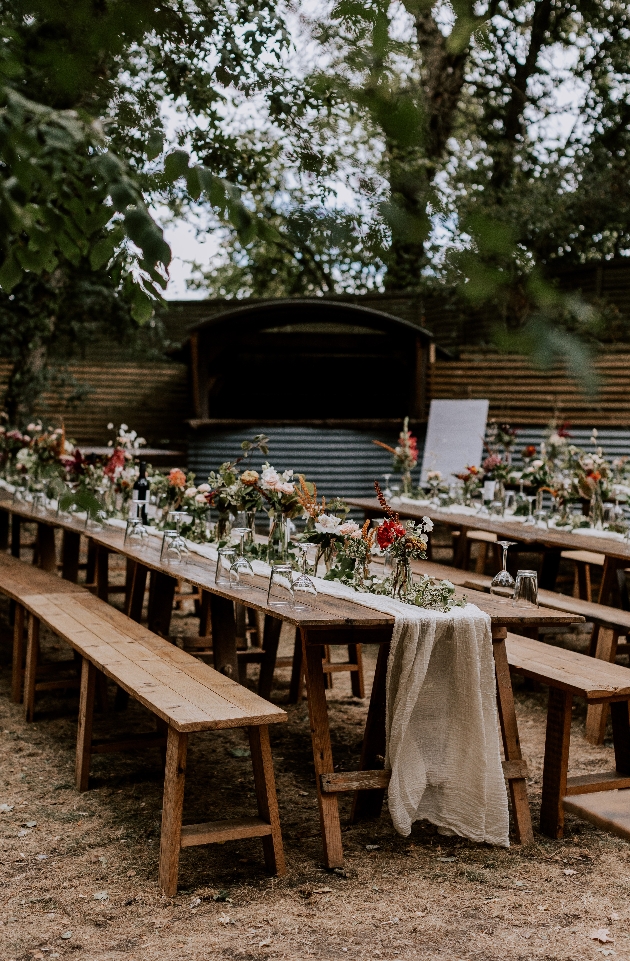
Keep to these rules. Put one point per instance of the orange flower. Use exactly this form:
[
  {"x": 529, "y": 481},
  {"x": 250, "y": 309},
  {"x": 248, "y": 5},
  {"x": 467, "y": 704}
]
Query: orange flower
[{"x": 176, "y": 477}]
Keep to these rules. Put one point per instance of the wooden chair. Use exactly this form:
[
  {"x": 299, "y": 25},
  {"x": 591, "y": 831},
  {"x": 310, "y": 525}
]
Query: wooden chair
[{"x": 569, "y": 674}]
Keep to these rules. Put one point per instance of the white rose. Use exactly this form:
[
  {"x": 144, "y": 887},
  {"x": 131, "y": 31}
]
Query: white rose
[
  {"x": 191, "y": 492},
  {"x": 200, "y": 499},
  {"x": 285, "y": 488},
  {"x": 536, "y": 464},
  {"x": 204, "y": 488},
  {"x": 428, "y": 524},
  {"x": 327, "y": 524},
  {"x": 350, "y": 529},
  {"x": 269, "y": 479}
]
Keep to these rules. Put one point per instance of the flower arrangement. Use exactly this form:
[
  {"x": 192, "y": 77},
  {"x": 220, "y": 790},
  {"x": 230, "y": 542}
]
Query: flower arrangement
[
  {"x": 325, "y": 524},
  {"x": 471, "y": 480},
  {"x": 404, "y": 542},
  {"x": 405, "y": 455}
]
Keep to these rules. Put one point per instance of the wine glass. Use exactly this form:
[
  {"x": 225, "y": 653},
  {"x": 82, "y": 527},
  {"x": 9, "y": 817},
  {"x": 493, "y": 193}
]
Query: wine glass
[
  {"x": 240, "y": 566},
  {"x": 303, "y": 585},
  {"x": 135, "y": 531},
  {"x": 503, "y": 580},
  {"x": 530, "y": 520},
  {"x": 387, "y": 493},
  {"x": 177, "y": 517}
]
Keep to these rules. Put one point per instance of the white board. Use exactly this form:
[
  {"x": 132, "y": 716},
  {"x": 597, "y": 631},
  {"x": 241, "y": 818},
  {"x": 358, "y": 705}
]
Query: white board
[{"x": 455, "y": 434}]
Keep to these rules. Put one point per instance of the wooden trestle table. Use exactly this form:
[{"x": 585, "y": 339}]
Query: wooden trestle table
[
  {"x": 550, "y": 541},
  {"x": 327, "y": 621}
]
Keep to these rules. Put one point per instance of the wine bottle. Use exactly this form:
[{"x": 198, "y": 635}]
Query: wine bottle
[{"x": 141, "y": 489}]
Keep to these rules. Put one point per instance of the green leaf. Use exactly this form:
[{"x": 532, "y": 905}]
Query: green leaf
[
  {"x": 155, "y": 144},
  {"x": 142, "y": 307},
  {"x": 175, "y": 165},
  {"x": 10, "y": 274}
]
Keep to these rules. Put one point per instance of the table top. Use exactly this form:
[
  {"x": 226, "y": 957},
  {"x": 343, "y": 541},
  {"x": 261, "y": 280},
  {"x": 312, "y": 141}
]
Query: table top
[
  {"x": 514, "y": 531},
  {"x": 322, "y": 612}
]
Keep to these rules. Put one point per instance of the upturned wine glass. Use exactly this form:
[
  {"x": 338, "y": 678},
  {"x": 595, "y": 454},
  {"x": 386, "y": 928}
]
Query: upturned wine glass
[{"x": 503, "y": 580}]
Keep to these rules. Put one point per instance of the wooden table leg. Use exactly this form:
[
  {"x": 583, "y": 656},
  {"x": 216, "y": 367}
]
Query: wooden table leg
[
  {"x": 161, "y": 594},
  {"x": 556, "y": 764},
  {"x": 172, "y": 809},
  {"x": 597, "y": 714},
  {"x": 18, "y": 655},
  {"x": 609, "y": 585},
  {"x": 90, "y": 570},
  {"x": 30, "y": 674},
  {"x": 369, "y": 803},
  {"x": 46, "y": 548},
  {"x": 4, "y": 530},
  {"x": 516, "y": 773},
  {"x": 16, "y": 532},
  {"x": 266, "y": 797},
  {"x": 102, "y": 572},
  {"x": 460, "y": 552},
  {"x": 271, "y": 639},
  {"x": 549, "y": 568},
  {"x": 70, "y": 547},
  {"x": 84, "y": 733},
  {"x": 137, "y": 588},
  {"x": 297, "y": 671},
  {"x": 322, "y": 748},
  {"x": 223, "y": 636},
  {"x": 355, "y": 656}
]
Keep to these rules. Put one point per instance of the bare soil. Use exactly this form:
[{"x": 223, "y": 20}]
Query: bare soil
[{"x": 78, "y": 873}]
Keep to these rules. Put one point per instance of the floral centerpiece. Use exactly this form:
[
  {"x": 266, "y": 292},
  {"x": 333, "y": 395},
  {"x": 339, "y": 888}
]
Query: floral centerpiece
[
  {"x": 471, "y": 481},
  {"x": 405, "y": 455},
  {"x": 404, "y": 542},
  {"x": 326, "y": 524}
]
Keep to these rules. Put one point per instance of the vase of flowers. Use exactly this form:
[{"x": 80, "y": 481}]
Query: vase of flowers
[
  {"x": 405, "y": 542},
  {"x": 405, "y": 456}
]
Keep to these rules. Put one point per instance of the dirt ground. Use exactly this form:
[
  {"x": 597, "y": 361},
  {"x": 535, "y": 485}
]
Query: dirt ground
[{"x": 79, "y": 872}]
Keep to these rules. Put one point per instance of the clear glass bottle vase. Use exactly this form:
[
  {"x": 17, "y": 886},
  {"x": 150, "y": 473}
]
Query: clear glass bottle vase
[
  {"x": 278, "y": 543},
  {"x": 596, "y": 513}
]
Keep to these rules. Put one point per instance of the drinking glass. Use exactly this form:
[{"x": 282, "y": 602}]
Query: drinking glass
[
  {"x": 241, "y": 568},
  {"x": 39, "y": 502},
  {"x": 526, "y": 588},
  {"x": 387, "y": 493},
  {"x": 280, "y": 592},
  {"x": 225, "y": 559},
  {"x": 530, "y": 519},
  {"x": 245, "y": 520},
  {"x": 395, "y": 494},
  {"x": 135, "y": 531},
  {"x": 303, "y": 585},
  {"x": 170, "y": 551},
  {"x": 503, "y": 579},
  {"x": 509, "y": 504},
  {"x": 177, "y": 517}
]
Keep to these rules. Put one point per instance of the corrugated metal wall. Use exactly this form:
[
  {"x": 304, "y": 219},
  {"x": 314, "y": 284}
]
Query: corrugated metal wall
[{"x": 343, "y": 462}]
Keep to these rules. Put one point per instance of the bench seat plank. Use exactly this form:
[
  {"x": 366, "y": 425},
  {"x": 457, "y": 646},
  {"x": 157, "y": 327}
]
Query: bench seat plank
[
  {"x": 123, "y": 654},
  {"x": 586, "y": 676}
]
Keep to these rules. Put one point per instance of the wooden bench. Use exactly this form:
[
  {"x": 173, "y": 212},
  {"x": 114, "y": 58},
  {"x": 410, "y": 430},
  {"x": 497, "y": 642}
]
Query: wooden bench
[
  {"x": 569, "y": 674},
  {"x": 582, "y": 561},
  {"x": 609, "y": 624},
  {"x": 184, "y": 694}
]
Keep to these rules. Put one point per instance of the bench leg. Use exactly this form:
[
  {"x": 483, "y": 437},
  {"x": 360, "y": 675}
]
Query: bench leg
[
  {"x": 597, "y": 714},
  {"x": 90, "y": 570},
  {"x": 70, "y": 548},
  {"x": 556, "y": 764},
  {"x": 46, "y": 548},
  {"x": 271, "y": 639},
  {"x": 102, "y": 572},
  {"x": 266, "y": 797},
  {"x": 621, "y": 736},
  {"x": 511, "y": 743},
  {"x": 172, "y": 809},
  {"x": 18, "y": 655},
  {"x": 297, "y": 671},
  {"x": 322, "y": 748},
  {"x": 84, "y": 733},
  {"x": 137, "y": 587},
  {"x": 4, "y": 530},
  {"x": 30, "y": 675},
  {"x": 355, "y": 656}
]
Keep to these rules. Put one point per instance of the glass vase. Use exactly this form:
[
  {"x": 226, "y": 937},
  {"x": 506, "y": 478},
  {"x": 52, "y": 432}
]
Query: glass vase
[
  {"x": 278, "y": 543},
  {"x": 224, "y": 526},
  {"x": 596, "y": 513},
  {"x": 406, "y": 483},
  {"x": 401, "y": 580}
]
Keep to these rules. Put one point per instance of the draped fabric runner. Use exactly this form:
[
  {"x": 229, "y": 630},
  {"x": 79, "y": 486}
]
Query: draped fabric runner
[{"x": 442, "y": 724}]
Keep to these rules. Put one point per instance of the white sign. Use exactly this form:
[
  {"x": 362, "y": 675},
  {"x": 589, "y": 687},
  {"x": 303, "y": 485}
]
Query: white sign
[{"x": 455, "y": 436}]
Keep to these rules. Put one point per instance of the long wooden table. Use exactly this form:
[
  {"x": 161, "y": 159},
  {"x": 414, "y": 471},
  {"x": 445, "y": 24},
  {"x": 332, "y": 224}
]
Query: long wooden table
[
  {"x": 327, "y": 621},
  {"x": 551, "y": 541}
]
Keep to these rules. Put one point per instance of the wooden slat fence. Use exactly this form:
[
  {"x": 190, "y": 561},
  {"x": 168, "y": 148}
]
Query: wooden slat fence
[
  {"x": 152, "y": 399},
  {"x": 521, "y": 394}
]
